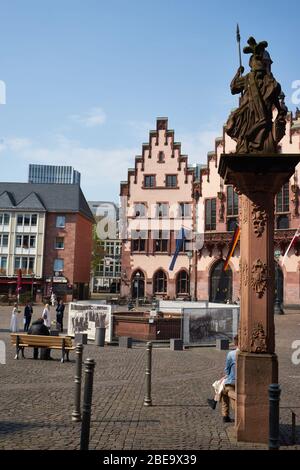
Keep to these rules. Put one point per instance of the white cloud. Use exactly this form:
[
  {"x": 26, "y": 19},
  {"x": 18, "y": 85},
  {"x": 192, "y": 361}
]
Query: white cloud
[
  {"x": 92, "y": 118},
  {"x": 15, "y": 144},
  {"x": 197, "y": 144}
]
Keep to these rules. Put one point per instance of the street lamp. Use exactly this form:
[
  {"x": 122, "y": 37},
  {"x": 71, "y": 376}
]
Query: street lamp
[
  {"x": 137, "y": 279},
  {"x": 190, "y": 257}
]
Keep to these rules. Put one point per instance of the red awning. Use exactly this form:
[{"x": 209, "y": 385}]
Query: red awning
[{"x": 5, "y": 281}]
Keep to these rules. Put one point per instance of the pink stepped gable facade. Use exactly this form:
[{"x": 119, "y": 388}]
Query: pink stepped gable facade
[
  {"x": 157, "y": 200},
  {"x": 163, "y": 190}
]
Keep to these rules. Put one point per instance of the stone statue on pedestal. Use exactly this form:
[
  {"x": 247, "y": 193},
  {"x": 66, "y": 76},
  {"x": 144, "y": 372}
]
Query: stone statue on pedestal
[{"x": 252, "y": 125}]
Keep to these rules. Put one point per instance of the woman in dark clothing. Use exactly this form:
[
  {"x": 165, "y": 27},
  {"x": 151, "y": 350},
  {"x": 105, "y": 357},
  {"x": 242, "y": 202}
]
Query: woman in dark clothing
[
  {"x": 60, "y": 314},
  {"x": 27, "y": 316},
  {"x": 38, "y": 328}
]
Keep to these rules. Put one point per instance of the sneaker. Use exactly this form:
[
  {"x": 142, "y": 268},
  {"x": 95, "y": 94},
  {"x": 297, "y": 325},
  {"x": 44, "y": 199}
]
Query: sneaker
[
  {"x": 227, "y": 419},
  {"x": 212, "y": 403}
]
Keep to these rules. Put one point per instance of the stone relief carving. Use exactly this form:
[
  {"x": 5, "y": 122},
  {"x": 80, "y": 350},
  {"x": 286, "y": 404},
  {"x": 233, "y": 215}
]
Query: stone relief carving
[
  {"x": 244, "y": 278},
  {"x": 259, "y": 277},
  {"x": 259, "y": 219},
  {"x": 258, "y": 339},
  {"x": 244, "y": 214},
  {"x": 245, "y": 274}
]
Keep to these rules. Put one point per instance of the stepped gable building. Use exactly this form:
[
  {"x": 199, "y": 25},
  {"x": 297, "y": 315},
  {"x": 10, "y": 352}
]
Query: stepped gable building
[
  {"x": 221, "y": 207},
  {"x": 46, "y": 231},
  {"x": 157, "y": 201}
]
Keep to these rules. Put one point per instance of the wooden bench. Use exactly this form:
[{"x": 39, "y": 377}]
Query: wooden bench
[{"x": 21, "y": 341}]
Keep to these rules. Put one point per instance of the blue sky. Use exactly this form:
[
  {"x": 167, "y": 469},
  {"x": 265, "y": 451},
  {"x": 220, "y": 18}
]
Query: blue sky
[{"x": 85, "y": 80}]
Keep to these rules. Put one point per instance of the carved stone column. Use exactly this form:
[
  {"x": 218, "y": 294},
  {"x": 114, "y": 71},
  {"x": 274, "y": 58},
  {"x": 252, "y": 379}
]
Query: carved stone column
[{"x": 257, "y": 179}]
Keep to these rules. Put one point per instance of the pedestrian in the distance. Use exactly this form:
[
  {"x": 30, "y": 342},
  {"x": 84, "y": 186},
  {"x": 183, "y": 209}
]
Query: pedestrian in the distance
[
  {"x": 46, "y": 316},
  {"x": 53, "y": 299},
  {"x": 14, "y": 322},
  {"x": 27, "y": 316},
  {"x": 60, "y": 314}
]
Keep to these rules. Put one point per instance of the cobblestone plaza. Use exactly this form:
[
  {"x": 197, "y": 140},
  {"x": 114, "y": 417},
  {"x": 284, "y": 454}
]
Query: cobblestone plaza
[{"x": 37, "y": 397}]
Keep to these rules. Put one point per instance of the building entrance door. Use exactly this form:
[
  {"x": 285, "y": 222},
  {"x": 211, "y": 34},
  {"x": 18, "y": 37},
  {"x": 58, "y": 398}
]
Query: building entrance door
[{"x": 220, "y": 283}]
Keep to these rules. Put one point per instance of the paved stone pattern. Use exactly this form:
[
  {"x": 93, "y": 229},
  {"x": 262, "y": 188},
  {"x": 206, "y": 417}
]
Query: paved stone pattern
[{"x": 37, "y": 397}]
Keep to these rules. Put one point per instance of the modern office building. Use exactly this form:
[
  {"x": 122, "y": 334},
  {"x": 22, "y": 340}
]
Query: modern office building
[
  {"x": 53, "y": 174},
  {"x": 46, "y": 231}
]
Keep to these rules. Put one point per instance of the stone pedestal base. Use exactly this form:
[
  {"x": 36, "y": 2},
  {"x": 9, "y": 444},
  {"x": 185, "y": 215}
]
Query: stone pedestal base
[{"x": 254, "y": 374}]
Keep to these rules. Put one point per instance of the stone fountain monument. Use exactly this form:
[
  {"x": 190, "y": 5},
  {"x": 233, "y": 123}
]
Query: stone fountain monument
[{"x": 257, "y": 170}]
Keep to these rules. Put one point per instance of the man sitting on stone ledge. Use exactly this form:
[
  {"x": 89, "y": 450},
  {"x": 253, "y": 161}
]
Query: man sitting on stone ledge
[{"x": 229, "y": 384}]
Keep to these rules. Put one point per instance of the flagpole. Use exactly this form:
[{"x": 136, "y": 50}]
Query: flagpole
[{"x": 289, "y": 247}]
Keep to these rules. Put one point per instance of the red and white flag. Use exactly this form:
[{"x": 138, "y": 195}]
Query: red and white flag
[{"x": 293, "y": 242}]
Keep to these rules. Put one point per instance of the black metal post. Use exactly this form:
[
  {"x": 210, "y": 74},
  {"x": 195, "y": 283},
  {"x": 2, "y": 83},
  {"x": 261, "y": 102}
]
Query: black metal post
[
  {"x": 293, "y": 428},
  {"x": 76, "y": 413},
  {"x": 274, "y": 398},
  {"x": 87, "y": 403},
  {"x": 147, "y": 399},
  {"x": 100, "y": 336}
]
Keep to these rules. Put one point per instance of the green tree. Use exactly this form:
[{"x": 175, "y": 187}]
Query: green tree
[{"x": 98, "y": 251}]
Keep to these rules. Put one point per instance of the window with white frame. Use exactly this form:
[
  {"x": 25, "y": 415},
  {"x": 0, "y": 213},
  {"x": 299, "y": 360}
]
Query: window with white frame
[
  {"x": 4, "y": 239},
  {"x": 4, "y": 219},
  {"x": 3, "y": 264},
  {"x": 58, "y": 265},
  {"x": 59, "y": 243},
  {"x": 60, "y": 221},
  {"x": 139, "y": 209},
  {"x": 26, "y": 220},
  {"x": 162, "y": 209},
  {"x": 25, "y": 263},
  {"x": 25, "y": 241},
  {"x": 185, "y": 209}
]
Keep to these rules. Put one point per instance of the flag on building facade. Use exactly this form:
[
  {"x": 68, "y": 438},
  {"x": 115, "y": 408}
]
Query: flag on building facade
[
  {"x": 232, "y": 246},
  {"x": 293, "y": 242},
  {"x": 179, "y": 247}
]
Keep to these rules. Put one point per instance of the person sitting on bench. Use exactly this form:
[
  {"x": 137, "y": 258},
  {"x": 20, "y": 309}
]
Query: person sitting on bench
[{"x": 39, "y": 328}]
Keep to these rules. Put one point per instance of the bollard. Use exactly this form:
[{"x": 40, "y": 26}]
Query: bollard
[
  {"x": 147, "y": 399},
  {"x": 87, "y": 403},
  {"x": 76, "y": 413},
  {"x": 100, "y": 336},
  {"x": 293, "y": 428},
  {"x": 274, "y": 398}
]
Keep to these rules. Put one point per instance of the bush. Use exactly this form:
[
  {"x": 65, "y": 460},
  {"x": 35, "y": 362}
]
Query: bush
[{"x": 25, "y": 297}]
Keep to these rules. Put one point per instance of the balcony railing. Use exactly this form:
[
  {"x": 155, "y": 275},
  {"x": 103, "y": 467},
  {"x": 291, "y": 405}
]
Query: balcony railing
[{"x": 25, "y": 272}]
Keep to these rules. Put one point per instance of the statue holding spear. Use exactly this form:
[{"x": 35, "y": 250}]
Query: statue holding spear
[{"x": 251, "y": 125}]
